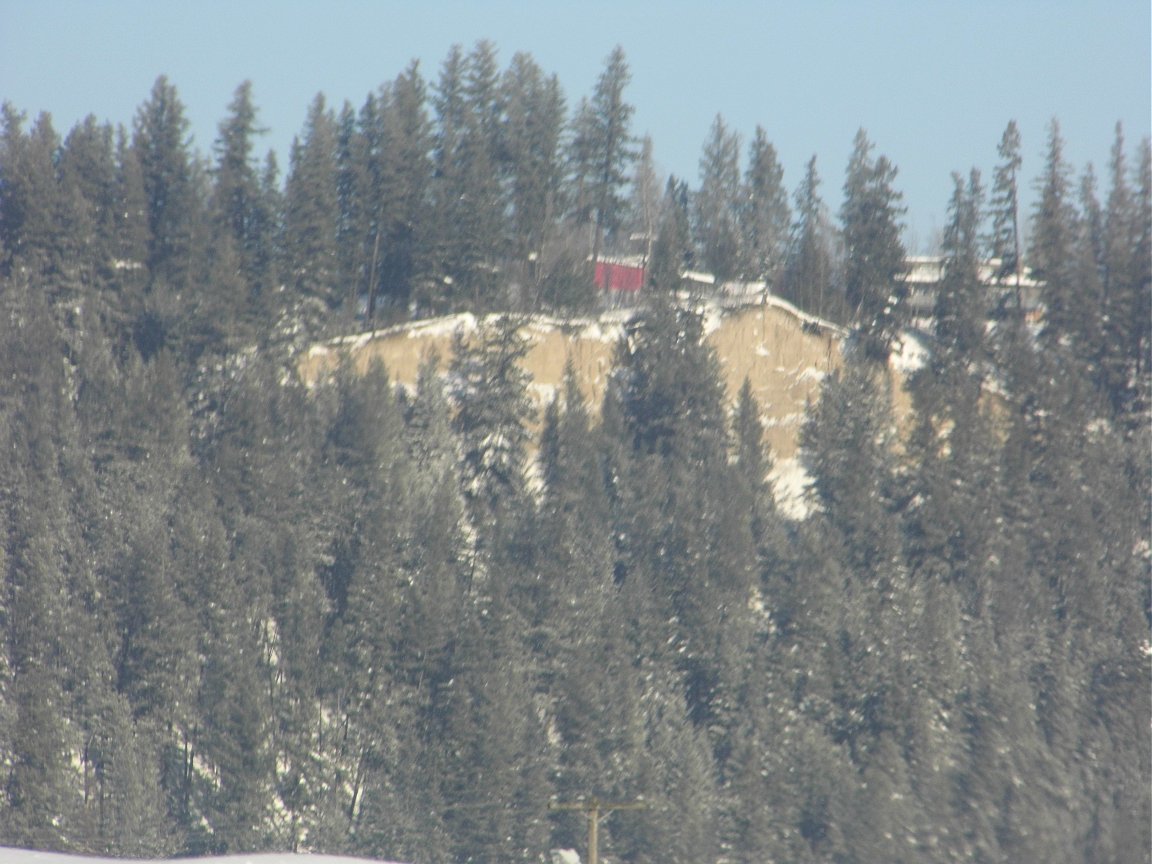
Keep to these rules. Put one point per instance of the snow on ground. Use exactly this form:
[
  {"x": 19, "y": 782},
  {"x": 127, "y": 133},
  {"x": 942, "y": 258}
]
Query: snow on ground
[
  {"x": 909, "y": 354},
  {"x": 28, "y": 856},
  {"x": 810, "y": 320},
  {"x": 790, "y": 480}
]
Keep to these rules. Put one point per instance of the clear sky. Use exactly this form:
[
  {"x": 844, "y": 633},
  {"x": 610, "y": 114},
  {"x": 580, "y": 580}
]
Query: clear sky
[{"x": 934, "y": 83}]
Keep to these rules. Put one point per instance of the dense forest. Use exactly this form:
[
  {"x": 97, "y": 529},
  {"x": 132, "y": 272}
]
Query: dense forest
[{"x": 241, "y": 614}]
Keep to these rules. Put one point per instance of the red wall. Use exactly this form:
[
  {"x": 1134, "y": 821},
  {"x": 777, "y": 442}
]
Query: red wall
[{"x": 618, "y": 277}]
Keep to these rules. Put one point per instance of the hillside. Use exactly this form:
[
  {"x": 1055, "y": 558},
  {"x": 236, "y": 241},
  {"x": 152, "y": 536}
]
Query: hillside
[{"x": 783, "y": 352}]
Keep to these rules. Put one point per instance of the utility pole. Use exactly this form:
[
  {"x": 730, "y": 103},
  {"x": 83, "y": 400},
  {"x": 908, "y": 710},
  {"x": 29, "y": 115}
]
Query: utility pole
[{"x": 594, "y": 807}]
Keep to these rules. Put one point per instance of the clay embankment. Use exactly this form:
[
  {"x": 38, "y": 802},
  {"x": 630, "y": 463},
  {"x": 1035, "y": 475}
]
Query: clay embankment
[{"x": 783, "y": 353}]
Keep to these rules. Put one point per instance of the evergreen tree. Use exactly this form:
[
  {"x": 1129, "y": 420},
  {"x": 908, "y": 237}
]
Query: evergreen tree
[
  {"x": 672, "y": 249},
  {"x": 1088, "y": 271},
  {"x": 358, "y": 140},
  {"x": 34, "y": 215},
  {"x": 469, "y": 202},
  {"x": 960, "y": 308},
  {"x": 131, "y": 249},
  {"x": 1124, "y": 278},
  {"x": 765, "y": 216},
  {"x": 717, "y": 205},
  {"x": 406, "y": 171},
  {"x": 237, "y": 182},
  {"x": 1005, "y": 242},
  {"x": 311, "y": 208},
  {"x": 266, "y": 228},
  {"x": 1051, "y": 254},
  {"x": 847, "y": 441},
  {"x": 609, "y": 146},
  {"x": 580, "y": 165},
  {"x": 87, "y": 169},
  {"x": 874, "y": 255},
  {"x": 753, "y": 464},
  {"x": 493, "y": 410},
  {"x": 645, "y": 204},
  {"x": 161, "y": 141},
  {"x": 809, "y": 279},
  {"x": 534, "y": 113},
  {"x": 687, "y": 534}
]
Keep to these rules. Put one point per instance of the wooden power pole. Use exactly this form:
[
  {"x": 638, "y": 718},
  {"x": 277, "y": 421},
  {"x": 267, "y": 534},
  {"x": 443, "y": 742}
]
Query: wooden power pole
[{"x": 594, "y": 807}]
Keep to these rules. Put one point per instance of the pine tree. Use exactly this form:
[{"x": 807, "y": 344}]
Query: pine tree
[
  {"x": 131, "y": 238},
  {"x": 1124, "y": 277},
  {"x": 161, "y": 141},
  {"x": 311, "y": 209},
  {"x": 1052, "y": 245},
  {"x": 672, "y": 249},
  {"x": 580, "y": 164},
  {"x": 765, "y": 216},
  {"x": 645, "y": 204},
  {"x": 1005, "y": 243},
  {"x": 1088, "y": 271},
  {"x": 609, "y": 148},
  {"x": 847, "y": 442},
  {"x": 809, "y": 279},
  {"x": 493, "y": 410},
  {"x": 266, "y": 228},
  {"x": 469, "y": 203},
  {"x": 874, "y": 263},
  {"x": 753, "y": 464},
  {"x": 34, "y": 214},
  {"x": 534, "y": 113},
  {"x": 406, "y": 172},
  {"x": 717, "y": 205},
  {"x": 358, "y": 141},
  {"x": 961, "y": 306},
  {"x": 237, "y": 184},
  {"x": 87, "y": 170}
]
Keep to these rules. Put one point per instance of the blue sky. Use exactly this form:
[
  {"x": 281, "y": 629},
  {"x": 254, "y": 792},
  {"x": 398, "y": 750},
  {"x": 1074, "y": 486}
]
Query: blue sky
[{"x": 934, "y": 83}]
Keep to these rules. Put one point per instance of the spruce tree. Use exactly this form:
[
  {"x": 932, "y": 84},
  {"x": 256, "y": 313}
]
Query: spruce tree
[
  {"x": 34, "y": 215},
  {"x": 161, "y": 141},
  {"x": 672, "y": 249},
  {"x": 311, "y": 209},
  {"x": 717, "y": 204},
  {"x": 1005, "y": 242},
  {"x": 534, "y": 114},
  {"x": 236, "y": 190},
  {"x": 961, "y": 306},
  {"x": 809, "y": 276},
  {"x": 88, "y": 176},
  {"x": 406, "y": 171},
  {"x": 1051, "y": 253},
  {"x": 765, "y": 215},
  {"x": 610, "y": 148},
  {"x": 874, "y": 254},
  {"x": 493, "y": 410}
]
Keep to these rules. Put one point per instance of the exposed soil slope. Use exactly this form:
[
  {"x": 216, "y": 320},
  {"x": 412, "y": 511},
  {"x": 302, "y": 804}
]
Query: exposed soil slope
[{"x": 783, "y": 353}]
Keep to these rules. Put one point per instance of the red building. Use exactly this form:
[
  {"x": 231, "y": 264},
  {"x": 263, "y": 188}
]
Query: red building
[{"x": 620, "y": 275}]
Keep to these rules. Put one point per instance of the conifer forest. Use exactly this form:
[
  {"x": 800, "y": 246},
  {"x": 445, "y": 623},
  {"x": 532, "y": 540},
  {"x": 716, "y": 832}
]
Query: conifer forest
[{"x": 243, "y": 613}]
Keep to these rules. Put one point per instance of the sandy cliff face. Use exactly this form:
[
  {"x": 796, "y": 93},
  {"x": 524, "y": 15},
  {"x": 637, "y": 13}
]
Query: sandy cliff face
[{"x": 783, "y": 352}]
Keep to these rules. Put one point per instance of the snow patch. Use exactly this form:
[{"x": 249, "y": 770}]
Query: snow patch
[
  {"x": 910, "y": 354},
  {"x": 812, "y": 321},
  {"x": 790, "y": 482}
]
